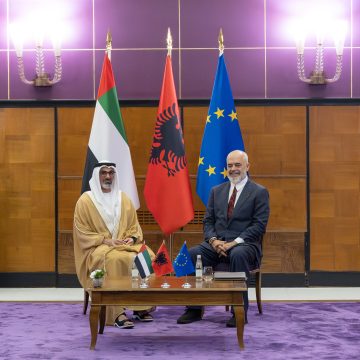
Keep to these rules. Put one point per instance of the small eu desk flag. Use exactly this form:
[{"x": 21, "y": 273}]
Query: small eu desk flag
[
  {"x": 222, "y": 135},
  {"x": 182, "y": 263}
]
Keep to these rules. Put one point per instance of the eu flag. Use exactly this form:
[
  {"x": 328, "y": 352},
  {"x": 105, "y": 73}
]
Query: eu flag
[
  {"x": 222, "y": 135},
  {"x": 182, "y": 263}
]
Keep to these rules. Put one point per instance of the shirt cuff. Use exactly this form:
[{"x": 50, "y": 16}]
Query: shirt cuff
[{"x": 239, "y": 240}]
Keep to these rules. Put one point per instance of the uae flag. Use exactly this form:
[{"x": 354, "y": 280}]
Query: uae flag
[
  {"x": 143, "y": 262},
  {"x": 108, "y": 138},
  {"x": 162, "y": 264},
  {"x": 167, "y": 187}
]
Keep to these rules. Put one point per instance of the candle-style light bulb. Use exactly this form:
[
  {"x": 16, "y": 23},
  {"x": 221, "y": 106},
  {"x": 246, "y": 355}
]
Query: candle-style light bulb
[
  {"x": 17, "y": 39},
  {"x": 339, "y": 37}
]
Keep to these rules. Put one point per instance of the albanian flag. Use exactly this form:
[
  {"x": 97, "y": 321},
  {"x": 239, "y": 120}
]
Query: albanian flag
[
  {"x": 162, "y": 264},
  {"x": 167, "y": 187}
]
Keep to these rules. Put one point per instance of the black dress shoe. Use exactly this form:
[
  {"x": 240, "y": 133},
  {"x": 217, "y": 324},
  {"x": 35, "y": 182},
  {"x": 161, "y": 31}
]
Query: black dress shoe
[
  {"x": 232, "y": 322},
  {"x": 190, "y": 315}
]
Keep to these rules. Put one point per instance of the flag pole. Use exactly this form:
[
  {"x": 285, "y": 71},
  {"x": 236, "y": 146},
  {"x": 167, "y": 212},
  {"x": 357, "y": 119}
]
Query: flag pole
[
  {"x": 165, "y": 284},
  {"x": 169, "y": 49},
  {"x": 171, "y": 240},
  {"x": 108, "y": 44},
  {"x": 186, "y": 284}
]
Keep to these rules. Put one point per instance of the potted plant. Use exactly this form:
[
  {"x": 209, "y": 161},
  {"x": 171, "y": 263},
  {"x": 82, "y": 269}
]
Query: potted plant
[{"x": 97, "y": 277}]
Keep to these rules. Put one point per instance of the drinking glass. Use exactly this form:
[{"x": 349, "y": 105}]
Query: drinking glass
[{"x": 208, "y": 273}]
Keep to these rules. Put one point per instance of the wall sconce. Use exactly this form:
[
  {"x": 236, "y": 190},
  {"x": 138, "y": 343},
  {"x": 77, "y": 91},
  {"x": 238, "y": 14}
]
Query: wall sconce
[
  {"x": 317, "y": 76},
  {"x": 42, "y": 78}
]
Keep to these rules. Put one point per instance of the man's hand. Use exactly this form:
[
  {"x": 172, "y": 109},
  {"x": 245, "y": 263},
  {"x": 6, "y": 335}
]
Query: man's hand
[
  {"x": 228, "y": 245},
  {"x": 107, "y": 242},
  {"x": 118, "y": 242},
  {"x": 218, "y": 246},
  {"x": 129, "y": 241},
  {"x": 222, "y": 247}
]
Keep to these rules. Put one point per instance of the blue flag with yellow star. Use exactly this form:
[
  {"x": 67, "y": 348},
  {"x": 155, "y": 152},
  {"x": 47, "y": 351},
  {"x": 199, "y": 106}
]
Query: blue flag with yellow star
[
  {"x": 222, "y": 134},
  {"x": 182, "y": 264}
]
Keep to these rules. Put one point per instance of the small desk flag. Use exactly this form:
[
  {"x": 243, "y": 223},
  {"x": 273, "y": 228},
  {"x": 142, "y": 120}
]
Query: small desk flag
[
  {"x": 182, "y": 263},
  {"x": 143, "y": 262},
  {"x": 162, "y": 264}
]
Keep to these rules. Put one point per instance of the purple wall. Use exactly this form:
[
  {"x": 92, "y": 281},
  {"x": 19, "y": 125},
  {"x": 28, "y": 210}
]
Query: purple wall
[{"x": 259, "y": 51}]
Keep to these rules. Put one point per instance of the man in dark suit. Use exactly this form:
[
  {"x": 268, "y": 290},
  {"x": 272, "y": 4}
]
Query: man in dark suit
[{"x": 235, "y": 222}]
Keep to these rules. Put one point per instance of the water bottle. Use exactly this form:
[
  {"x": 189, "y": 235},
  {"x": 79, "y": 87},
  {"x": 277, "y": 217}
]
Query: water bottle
[
  {"x": 134, "y": 271},
  {"x": 198, "y": 268}
]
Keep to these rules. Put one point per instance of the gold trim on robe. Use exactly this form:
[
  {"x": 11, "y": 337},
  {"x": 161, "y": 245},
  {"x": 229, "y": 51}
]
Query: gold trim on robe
[{"x": 89, "y": 231}]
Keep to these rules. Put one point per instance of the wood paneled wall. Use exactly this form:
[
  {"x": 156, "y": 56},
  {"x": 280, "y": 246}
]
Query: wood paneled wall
[
  {"x": 27, "y": 190},
  {"x": 275, "y": 139},
  {"x": 335, "y": 188}
]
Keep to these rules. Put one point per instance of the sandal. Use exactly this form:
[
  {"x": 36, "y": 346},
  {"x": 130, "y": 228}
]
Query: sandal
[
  {"x": 143, "y": 316},
  {"x": 122, "y": 322}
]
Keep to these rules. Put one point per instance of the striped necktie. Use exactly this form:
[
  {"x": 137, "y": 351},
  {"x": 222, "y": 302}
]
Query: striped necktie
[{"x": 231, "y": 203}]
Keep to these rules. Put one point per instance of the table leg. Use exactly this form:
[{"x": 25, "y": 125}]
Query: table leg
[
  {"x": 102, "y": 319},
  {"x": 94, "y": 321},
  {"x": 240, "y": 319}
]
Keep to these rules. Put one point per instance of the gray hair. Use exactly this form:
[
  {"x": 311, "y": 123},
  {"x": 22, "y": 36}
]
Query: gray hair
[{"x": 240, "y": 152}]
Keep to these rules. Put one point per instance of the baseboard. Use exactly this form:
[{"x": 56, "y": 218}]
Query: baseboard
[
  {"x": 27, "y": 279},
  {"x": 282, "y": 280},
  {"x": 314, "y": 278},
  {"x": 327, "y": 278},
  {"x": 68, "y": 281}
]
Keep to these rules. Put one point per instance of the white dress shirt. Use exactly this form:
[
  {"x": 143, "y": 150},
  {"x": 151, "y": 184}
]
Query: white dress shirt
[{"x": 239, "y": 188}]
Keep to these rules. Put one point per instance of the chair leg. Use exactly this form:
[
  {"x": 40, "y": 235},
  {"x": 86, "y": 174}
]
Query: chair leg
[
  {"x": 86, "y": 301},
  {"x": 258, "y": 291}
]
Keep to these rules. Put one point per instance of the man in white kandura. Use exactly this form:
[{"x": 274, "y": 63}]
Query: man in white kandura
[{"x": 107, "y": 235}]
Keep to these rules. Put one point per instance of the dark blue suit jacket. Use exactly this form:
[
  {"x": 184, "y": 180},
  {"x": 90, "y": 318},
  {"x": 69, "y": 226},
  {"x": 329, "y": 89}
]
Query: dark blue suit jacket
[{"x": 249, "y": 219}]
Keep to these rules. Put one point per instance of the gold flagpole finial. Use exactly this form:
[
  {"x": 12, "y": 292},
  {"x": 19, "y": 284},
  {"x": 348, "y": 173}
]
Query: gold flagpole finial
[
  {"x": 169, "y": 42},
  {"x": 221, "y": 42},
  {"x": 108, "y": 44}
]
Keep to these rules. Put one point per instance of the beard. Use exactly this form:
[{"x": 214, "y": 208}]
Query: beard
[
  {"x": 106, "y": 185},
  {"x": 235, "y": 178}
]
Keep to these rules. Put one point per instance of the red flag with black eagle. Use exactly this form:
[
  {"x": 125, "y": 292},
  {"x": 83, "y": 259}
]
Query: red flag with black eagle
[
  {"x": 162, "y": 264},
  {"x": 167, "y": 187}
]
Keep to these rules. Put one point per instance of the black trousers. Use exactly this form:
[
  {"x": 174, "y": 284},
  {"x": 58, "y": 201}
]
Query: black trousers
[{"x": 240, "y": 258}]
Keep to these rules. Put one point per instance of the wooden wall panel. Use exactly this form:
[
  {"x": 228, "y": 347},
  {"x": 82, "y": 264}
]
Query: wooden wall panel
[
  {"x": 27, "y": 211},
  {"x": 335, "y": 188},
  {"x": 287, "y": 203},
  {"x": 283, "y": 252},
  {"x": 139, "y": 124},
  {"x": 74, "y": 125},
  {"x": 274, "y": 138}
]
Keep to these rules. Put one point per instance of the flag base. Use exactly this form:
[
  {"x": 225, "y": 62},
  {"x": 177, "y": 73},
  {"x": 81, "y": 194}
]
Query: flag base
[
  {"x": 186, "y": 285},
  {"x": 165, "y": 285},
  {"x": 144, "y": 284}
]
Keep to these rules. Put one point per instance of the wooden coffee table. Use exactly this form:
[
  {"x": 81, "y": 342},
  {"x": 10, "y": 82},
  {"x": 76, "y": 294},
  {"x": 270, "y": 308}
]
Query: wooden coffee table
[{"x": 127, "y": 292}]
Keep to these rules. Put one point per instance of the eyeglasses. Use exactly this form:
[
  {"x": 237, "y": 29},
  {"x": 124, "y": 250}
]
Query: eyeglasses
[{"x": 105, "y": 173}]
